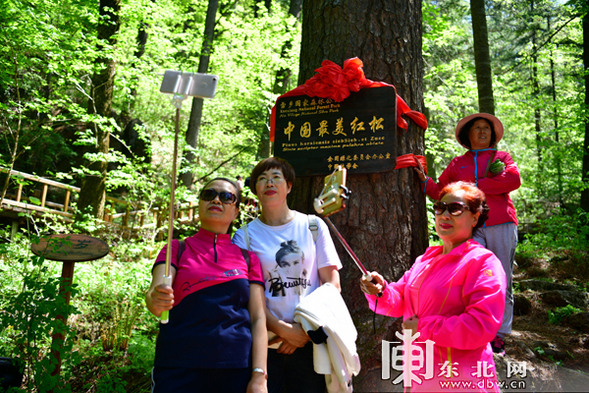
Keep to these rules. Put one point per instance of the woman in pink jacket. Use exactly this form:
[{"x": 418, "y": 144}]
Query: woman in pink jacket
[
  {"x": 453, "y": 297},
  {"x": 480, "y": 133}
]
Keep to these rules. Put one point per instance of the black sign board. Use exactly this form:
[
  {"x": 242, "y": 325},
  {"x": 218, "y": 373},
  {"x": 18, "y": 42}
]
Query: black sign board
[{"x": 316, "y": 134}]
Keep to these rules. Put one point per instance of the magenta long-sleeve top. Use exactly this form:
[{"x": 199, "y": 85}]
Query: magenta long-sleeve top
[
  {"x": 471, "y": 167},
  {"x": 459, "y": 299}
]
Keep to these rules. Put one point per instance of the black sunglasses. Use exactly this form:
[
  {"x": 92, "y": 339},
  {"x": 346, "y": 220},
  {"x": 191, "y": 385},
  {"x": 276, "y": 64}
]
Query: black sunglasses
[
  {"x": 224, "y": 196},
  {"x": 454, "y": 208}
]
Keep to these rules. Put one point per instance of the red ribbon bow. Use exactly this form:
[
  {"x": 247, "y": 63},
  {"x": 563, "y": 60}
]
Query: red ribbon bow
[{"x": 331, "y": 81}]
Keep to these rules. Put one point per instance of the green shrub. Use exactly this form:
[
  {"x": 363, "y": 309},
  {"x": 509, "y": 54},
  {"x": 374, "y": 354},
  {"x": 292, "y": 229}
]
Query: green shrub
[
  {"x": 32, "y": 312},
  {"x": 560, "y": 231},
  {"x": 555, "y": 317}
]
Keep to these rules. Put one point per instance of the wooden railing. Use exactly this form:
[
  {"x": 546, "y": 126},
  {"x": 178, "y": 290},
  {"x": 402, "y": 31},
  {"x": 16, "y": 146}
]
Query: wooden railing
[{"x": 117, "y": 212}]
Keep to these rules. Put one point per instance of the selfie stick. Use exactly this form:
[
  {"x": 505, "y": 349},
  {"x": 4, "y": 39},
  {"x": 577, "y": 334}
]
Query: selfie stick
[
  {"x": 181, "y": 85},
  {"x": 365, "y": 273},
  {"x": 326, "y": 199}
]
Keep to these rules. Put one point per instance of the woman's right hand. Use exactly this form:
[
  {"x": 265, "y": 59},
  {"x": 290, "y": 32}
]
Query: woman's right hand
[
  {"x": 162, "y": 298},
  {"x": 419, "y": 170},
  {"x": 292, "y": 338},
  {"x": 373, "y": 287},
  {"x": 257, "y": 384}
]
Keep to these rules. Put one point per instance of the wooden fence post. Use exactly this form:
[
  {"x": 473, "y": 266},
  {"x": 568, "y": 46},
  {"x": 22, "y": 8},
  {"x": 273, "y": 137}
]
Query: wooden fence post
[
  {"x": 66, "y": 203},
  {"x": 44, "y": 195}
]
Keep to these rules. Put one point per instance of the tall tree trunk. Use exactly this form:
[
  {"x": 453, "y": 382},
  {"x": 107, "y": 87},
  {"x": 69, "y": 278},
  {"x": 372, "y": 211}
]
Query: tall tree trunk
[
  {"x": 557, "y": 150},
  {"x": 141, "y": 41},
  {"x": 197, "y": 103},
  {"x": 537, "y": 113},
  {"x": 385, "y": 221},
  {"x": 92, "y": 193},
  {"x": 482, "y": 58},
  {"x": 585, "y": 173},
  {"x": 16, "y": 133}
]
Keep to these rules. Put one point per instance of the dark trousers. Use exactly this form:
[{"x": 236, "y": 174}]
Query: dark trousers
[
  {"x": 294, "y": 373},
  {"x": 199, "y": 380}
]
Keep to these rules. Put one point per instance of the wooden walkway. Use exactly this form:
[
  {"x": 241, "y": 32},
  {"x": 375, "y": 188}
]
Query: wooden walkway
[{"x": 127, "y": 216}]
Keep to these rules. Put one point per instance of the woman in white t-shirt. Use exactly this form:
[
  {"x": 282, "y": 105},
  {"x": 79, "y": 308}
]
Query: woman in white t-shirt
[{"x": 297, "y": 255}]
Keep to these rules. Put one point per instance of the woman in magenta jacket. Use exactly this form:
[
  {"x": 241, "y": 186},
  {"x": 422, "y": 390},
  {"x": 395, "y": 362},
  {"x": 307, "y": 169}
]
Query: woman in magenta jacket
[
  {"x": 480, "y": 133},
  {"x": 453, "y": 296}
]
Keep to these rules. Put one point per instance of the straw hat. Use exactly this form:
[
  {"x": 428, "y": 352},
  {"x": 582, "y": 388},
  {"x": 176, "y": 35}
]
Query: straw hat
[{"x": 497, "y": 125}]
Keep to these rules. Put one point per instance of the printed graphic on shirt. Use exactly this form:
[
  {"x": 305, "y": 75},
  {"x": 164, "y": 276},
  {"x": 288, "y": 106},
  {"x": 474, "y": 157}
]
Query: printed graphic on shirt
[{"x": 289, "y": 272}]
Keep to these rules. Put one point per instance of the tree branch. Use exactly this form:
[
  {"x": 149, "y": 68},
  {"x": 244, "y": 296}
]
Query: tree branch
[
  {"x": 223, "y": 163},
  {"x": 512, "y": 68},
  {"x": 555, "y": 33}
]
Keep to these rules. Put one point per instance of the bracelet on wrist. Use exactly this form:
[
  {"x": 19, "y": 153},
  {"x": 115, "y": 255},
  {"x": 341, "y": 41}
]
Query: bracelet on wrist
[{"x": 261, "y": 371}]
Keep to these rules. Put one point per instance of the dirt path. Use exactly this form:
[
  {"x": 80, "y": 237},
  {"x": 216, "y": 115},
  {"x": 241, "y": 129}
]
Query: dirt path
[{"x": 556, "y": 357}]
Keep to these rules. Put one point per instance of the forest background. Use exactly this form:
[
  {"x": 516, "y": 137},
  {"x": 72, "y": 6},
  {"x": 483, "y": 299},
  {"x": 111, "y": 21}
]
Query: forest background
[{"x": 80, "y": 104}]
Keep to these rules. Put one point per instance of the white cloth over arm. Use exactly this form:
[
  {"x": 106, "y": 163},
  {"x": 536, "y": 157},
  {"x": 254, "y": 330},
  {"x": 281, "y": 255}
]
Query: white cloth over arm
[{"x": 337, "y": 358}]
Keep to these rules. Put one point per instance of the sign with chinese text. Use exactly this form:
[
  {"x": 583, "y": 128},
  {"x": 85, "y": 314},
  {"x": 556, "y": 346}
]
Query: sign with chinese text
[
  {"x": 70, "y": 247},
  {"x": 316, "y": 134}
]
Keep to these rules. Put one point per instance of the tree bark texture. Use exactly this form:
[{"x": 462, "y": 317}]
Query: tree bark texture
[
  {"x": 585, "y": 173},
  {"x": 385, "y": 220},
  {"x": 197, "y": 103},
  {"x": 482, "y": 58},
  {"x": 93, "y": 186}
]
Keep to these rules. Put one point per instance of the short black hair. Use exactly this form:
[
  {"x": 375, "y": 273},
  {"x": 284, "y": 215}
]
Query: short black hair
[
  {"x": 237, "y": 194},
  {"x": 269, "y": 163},
  {"x": 237, "y": 190}
]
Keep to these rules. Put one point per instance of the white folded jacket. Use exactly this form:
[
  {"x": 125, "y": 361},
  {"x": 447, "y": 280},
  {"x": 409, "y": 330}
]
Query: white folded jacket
[{"x": 337, "y": 357}]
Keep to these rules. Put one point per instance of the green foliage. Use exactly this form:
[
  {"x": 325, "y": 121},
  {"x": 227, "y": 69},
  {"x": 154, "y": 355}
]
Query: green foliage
[
  {"x": 87, "y": 223},
  {"x": 31, "y": 315},
  {"x": 110, "y": 334},
  {"x": 111, "y": 383},
  {"x": 559, "y": 231},
  {"x": 49, "y": 62},
  {"x": 555, "y": 317},
  {"x": 449, "y": 80},
  {"x": 48, "y": 55},
  {"x": 544, "y": 126},
  {"x": 127, "y": 371},
  {"x": 40, "y": 58}
]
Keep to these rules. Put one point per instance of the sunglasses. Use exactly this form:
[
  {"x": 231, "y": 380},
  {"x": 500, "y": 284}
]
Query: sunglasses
[
  {"x": 224, "y": 196},
  {"x": 454, "y": 208}
]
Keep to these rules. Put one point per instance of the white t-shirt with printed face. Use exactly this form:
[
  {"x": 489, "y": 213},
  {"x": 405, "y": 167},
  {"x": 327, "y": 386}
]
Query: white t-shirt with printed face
[{"x": 290, "y": 260}]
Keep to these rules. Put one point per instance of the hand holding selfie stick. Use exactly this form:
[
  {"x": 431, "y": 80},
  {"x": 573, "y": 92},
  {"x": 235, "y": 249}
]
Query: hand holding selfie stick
[
  {"x": 181, "y": 85},
  {"x": 332, "y": 200}
]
